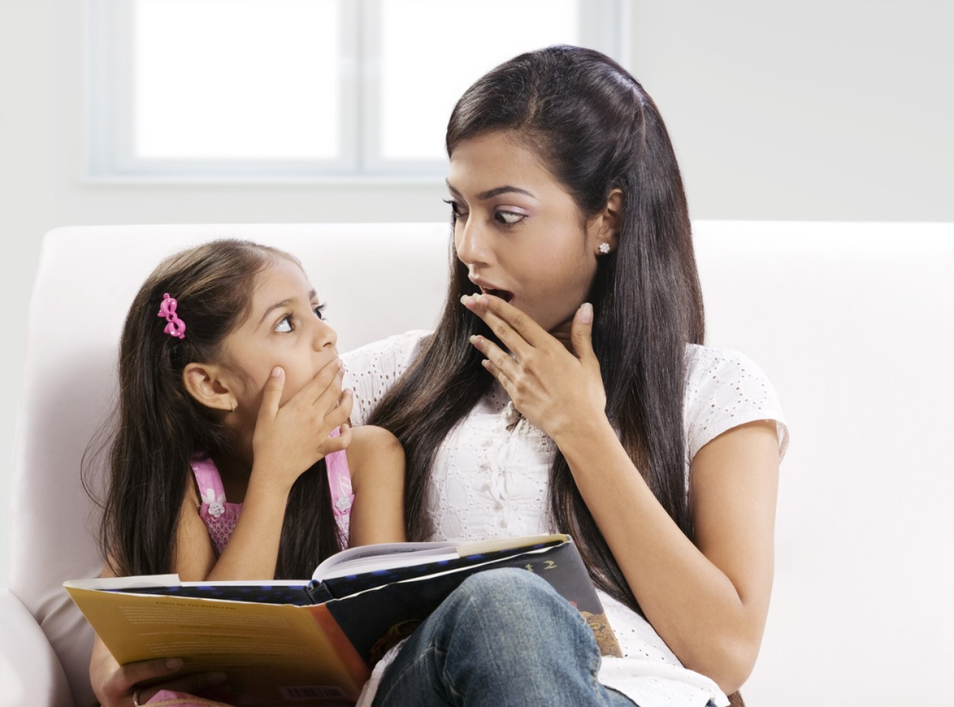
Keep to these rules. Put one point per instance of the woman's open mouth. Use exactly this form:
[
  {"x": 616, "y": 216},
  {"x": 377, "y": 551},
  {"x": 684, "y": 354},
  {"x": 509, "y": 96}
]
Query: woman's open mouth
[{"x": 502, "y": 294}]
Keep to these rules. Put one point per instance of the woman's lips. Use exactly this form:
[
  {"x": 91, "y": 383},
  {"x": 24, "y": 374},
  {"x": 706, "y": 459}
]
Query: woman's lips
[{"x": 502, "y": 294}]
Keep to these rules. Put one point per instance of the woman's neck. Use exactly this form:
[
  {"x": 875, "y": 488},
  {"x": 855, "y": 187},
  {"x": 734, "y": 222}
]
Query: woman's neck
[{"x": 562, "y": 333}]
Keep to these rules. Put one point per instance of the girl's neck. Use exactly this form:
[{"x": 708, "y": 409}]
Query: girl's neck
[{"x": 235, "y": 472}]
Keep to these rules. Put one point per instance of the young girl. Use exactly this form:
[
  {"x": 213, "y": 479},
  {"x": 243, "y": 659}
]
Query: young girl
[
  {"x": 233, "y": 457},
  {"x": 566, "y": 388}
]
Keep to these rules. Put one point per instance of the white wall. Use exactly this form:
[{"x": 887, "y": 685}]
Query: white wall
[{"x": 790, "y": 110}]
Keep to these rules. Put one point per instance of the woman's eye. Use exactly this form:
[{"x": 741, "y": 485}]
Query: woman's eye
[
  {"x": 509, "y": 217},
  {"x": 456, "y": 211},
  {"x": 319, "y": 309},
  {"x": 285, "y": 325}
]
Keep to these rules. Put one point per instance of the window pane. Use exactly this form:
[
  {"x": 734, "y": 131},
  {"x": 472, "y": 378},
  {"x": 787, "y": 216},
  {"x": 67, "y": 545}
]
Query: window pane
[
  {"x": 236, "y": 79},
  {"x": 423, "y": 73}
]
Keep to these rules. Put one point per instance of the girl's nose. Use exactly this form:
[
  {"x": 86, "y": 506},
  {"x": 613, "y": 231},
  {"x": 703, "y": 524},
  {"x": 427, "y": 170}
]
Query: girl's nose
[{"x": 325, "y": 336}]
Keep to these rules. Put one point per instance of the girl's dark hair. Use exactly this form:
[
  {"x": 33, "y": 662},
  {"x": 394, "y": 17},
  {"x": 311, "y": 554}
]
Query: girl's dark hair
[
  {"x": 595, "y": 129},
  {"x": 159, "y": 428}
]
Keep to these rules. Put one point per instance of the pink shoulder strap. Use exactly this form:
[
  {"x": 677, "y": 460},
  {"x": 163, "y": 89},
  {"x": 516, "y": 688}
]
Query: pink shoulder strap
[
  {"x": 207, "y": 476},
  {"x": 339, "y": 480}
]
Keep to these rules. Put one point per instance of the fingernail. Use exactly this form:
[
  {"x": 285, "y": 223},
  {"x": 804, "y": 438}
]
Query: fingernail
[
  {"x": 340, "y": 363},
  {"x": 586, "y": 313},
  {"x": 484, "y": 300},
  {"x": 277, "y": 371},
  {"x": 174, "y": 663},
  {"x": 474, "y": 339}
]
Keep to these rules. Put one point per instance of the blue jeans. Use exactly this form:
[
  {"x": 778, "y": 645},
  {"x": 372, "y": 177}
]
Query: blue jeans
[{"x": 504, "y": 637}]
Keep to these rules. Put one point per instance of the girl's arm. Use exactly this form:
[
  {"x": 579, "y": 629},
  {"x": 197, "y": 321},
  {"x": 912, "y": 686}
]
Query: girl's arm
[
  {"x": 707, "y": 601},
  {"x": 288, "y": 440},
  {"x": 376, "y": 461}
]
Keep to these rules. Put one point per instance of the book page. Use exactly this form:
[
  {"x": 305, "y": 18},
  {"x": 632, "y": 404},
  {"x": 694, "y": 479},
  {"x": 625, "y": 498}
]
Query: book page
[{"x": 385, "y": 556}]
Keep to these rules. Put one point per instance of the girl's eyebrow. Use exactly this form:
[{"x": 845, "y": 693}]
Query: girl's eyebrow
[
  {"x": 284, "y": 303},
  {"x": 491, "y": 193}
]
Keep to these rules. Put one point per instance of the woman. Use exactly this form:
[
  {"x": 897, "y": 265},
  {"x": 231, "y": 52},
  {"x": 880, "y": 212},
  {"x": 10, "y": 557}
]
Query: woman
[
  {"x": 573, "y": 394},
  {"x": 566, "y": 389}
]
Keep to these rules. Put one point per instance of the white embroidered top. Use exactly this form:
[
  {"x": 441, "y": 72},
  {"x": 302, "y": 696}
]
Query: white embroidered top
[{"x": 491, "y": 478}]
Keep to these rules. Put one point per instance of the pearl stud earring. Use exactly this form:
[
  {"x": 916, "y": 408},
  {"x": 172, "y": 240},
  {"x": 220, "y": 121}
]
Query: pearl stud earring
[{"x": 604, "y": 248}]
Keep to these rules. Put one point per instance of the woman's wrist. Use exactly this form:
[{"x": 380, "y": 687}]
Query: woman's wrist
[{"x": 584, "y": 435}]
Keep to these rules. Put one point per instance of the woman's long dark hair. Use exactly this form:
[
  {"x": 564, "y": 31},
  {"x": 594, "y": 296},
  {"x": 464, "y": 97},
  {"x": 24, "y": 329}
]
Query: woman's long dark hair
[
  {"x": 595, "y": 129},
  {"x": 159, "y": 428}
]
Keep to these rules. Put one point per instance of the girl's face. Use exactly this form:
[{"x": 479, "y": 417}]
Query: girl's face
[
  {"x": 519, "y": 232},
  {"x": 284, "y": 328}
]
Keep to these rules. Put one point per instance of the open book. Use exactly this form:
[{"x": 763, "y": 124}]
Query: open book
[{"x": 303, "y": 642}]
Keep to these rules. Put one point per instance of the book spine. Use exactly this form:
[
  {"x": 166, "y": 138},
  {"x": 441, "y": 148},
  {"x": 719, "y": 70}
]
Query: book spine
[{"x": 318, "y": 592}]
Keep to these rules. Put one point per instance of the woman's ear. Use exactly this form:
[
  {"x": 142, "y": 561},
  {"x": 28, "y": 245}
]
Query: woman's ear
[
  {"x": 206, "y": 383},
  {"x": 604, "y": 227}
]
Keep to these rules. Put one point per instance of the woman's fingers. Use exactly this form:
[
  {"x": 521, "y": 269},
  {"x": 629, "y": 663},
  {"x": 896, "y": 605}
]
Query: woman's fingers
[
  {"x": 516, "y": 330},
  {"x": 581, "y": 334},
  {"x": 501, "y": 364}
]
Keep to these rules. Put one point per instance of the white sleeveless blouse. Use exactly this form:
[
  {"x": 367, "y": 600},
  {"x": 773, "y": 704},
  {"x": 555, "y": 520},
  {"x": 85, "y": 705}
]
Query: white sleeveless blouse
[{"x": 491, "y": 478}]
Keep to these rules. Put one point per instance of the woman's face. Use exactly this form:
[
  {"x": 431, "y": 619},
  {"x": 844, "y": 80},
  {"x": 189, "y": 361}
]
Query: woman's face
[{"x": 518, "y": 231}]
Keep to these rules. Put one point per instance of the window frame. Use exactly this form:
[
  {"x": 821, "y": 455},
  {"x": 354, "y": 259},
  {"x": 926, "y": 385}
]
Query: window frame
[{"x": 110, "y": 104}]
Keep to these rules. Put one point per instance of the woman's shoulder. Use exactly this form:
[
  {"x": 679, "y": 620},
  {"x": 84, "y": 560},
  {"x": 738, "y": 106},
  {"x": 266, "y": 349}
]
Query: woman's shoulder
[
  {"x": 390, "y": 352},
  {"x": 371, "y": 370},
  {"x": 723, "y": 364},
  {"x": 725, "y": 389}
]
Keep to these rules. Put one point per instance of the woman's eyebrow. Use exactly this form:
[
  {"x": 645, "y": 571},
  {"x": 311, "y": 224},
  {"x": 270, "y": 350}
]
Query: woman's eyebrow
[{"x": 497, "y": 191}]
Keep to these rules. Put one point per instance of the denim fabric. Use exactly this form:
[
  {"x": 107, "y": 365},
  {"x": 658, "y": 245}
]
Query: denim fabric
[{"x": 504, "y": 637}]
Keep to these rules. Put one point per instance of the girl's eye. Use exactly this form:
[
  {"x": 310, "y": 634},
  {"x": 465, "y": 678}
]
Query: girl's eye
[
  {"x": 319, "y": 309},
  {"x": 285, "y": 325},
  {"x": 509, "y": 218}
]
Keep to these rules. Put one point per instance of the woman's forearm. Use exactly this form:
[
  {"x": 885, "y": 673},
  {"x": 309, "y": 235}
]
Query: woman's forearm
[{"x": 712, "y": 623}]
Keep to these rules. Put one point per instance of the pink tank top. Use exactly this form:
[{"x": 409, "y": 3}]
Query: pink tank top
[{"x": 220, "y": 516}]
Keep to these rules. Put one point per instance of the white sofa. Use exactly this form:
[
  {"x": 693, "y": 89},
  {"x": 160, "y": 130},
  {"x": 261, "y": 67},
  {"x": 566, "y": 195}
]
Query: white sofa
[{"x": 854, "y": 324}]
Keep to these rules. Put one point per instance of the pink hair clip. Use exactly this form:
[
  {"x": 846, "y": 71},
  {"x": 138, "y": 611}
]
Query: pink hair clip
[{"x": 175, "y": 327}]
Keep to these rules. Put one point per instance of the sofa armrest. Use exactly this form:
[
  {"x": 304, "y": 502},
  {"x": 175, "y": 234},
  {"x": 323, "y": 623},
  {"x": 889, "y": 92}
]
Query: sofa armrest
[{"x": 30, "y": 672}]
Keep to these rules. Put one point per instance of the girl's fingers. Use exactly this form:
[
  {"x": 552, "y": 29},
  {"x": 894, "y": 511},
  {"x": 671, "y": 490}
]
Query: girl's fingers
[
  {"x": 329, "y": 398},
  {"x": 129, "y": 675},
  {"x": 329, "y": 374},
  {"x": 336, "y": 444},
  {"x": 339, "y": 415},
  {"x": 191, "y": 684},
  {"x": 272, "y": 393}
]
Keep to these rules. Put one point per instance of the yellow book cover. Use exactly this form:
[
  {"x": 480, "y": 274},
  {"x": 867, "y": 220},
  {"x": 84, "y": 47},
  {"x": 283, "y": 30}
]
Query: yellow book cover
[
  {"x": 273, "y": 654},
  {"x": 315, "y": 641}
]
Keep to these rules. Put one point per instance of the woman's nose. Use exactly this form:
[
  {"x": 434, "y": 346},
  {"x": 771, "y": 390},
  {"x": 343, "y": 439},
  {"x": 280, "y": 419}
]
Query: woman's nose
[{"x": 472, "y": 243}]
